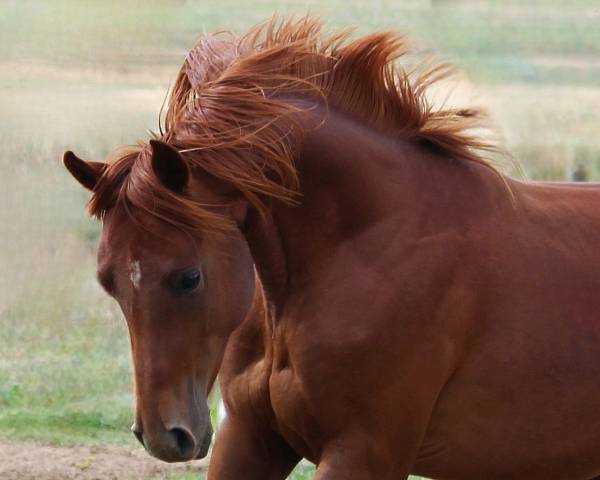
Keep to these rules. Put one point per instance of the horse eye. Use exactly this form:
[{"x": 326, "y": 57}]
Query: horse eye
[{"x": 187, "y": 281}]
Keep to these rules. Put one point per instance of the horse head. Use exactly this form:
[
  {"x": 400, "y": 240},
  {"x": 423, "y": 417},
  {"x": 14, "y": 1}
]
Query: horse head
[{"x": 182, "y": 295}]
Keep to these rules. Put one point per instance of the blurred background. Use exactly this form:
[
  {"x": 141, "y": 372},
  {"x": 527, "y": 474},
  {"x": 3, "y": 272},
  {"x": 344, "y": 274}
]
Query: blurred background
[{"x": 92, "y": 75}]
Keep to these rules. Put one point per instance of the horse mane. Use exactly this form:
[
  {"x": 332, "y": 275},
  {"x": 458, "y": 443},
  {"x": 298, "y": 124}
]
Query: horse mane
[{"x": 230, "y": 115}]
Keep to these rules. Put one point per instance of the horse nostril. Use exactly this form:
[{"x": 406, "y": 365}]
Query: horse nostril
[
  {"x": 185, "y": 441},
  {"x": 138, "y": 434}
]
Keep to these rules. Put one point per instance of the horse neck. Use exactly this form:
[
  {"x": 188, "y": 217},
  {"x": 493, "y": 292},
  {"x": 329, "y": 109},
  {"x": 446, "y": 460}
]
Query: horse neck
[{"x": 358, "y": 187}]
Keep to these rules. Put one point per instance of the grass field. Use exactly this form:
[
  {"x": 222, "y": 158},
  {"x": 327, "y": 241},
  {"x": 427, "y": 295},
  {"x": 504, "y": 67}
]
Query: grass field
[{"x": 92, "y": 75}]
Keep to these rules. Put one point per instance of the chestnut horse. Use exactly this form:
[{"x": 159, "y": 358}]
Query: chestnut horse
[{"x": 374, "y": 296}]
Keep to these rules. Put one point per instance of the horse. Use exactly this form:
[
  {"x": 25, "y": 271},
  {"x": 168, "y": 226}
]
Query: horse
[{"x": 373, "y": 294}]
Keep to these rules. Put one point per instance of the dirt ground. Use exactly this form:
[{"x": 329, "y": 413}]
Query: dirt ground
[{"x": 28, "y": 460}]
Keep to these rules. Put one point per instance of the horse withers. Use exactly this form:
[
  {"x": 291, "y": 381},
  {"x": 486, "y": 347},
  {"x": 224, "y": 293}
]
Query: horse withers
[{"x": 374, "y": 295}]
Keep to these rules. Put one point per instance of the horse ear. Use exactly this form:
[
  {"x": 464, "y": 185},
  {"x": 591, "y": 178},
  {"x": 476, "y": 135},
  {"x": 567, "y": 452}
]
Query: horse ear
[
  {"x": 169, "y": 166},
  {"x": 86, "y": 173}
]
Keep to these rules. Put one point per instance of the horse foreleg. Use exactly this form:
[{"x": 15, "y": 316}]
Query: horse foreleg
[
  {"x": 240, "y": 452},
  {"x": 363, "y": 457}
]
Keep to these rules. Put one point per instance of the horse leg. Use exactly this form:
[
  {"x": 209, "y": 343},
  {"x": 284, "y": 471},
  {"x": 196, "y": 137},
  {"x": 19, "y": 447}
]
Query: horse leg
[
  {"x": 240, "y": 452},
  {"x": 364, "y": 457}
]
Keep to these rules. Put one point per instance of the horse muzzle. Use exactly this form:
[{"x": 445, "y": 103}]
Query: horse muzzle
[{"x": 176, "y": 443}]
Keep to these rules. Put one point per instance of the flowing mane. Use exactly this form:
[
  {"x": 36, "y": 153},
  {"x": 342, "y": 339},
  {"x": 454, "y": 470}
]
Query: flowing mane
[{"x": 230, "y": 114}]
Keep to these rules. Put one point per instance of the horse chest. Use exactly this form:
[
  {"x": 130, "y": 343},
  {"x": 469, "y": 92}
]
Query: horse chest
[
  {"x": 273, "y": 396},
  {"x": 294, "y": 415},
  {"x": 246, "y": 393}
]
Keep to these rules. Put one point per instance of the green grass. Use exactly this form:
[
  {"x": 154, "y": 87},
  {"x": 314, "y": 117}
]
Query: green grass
[
  {"x": 302, "y": 472},
  {"x": 65, "y": 374},
  {"x": 91, "y": 76},
  {"x": 181, "y": 476}
]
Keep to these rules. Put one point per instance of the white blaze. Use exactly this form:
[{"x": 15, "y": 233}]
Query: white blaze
[{"x": 135, "y": 274}]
